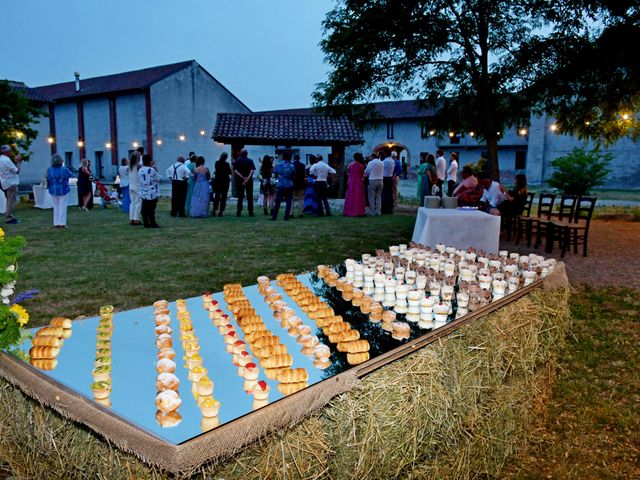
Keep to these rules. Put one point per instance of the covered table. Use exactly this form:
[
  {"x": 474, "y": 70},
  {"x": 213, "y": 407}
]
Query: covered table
[
  {"x": 43, "y": 199},
  {"x": 459, "y": 228}
]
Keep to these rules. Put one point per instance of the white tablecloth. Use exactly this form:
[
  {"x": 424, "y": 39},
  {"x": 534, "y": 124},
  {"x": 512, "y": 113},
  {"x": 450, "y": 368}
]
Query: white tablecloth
[
  {"x": 457, "y": 228},
  {"x": 43, "y": 199},
  {"x": 3, "y": 202}
]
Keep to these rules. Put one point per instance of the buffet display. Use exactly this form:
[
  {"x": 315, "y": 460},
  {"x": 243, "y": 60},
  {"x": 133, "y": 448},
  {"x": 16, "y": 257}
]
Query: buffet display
[{"x": 159, "y": 367}]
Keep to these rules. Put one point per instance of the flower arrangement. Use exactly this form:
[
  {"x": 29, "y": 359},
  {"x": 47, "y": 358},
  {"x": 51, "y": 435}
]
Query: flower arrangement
[{"x": 13, "y": 317}]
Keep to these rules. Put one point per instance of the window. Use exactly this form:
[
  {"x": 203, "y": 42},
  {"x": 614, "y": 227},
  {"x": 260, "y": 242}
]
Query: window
[
  {"x": 521, "y": 160},
  {"x": 389, "y": 130},
  {"x": 455, "y": 140},
  {"x": 99, "y": 167},
  {"x": 68, "y": 159},
  {"x": 424, "y": 130}
]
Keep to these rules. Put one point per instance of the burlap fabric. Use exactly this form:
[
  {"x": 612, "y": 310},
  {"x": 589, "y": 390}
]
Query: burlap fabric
[{"x": 230, "y": 438}]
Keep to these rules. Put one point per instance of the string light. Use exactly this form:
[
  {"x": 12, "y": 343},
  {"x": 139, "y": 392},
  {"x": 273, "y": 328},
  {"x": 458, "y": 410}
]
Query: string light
[
  {"x": 135, "y": 144},
  {"x": 451, "y": 134},
  {"x": 158, "y": 142},
  {"x": 553, "y": 127},
  {"x": 202, "y": 132},
  {"x": 432, "y": 132},
  {"x": 182, "y": 138},
  {"x": 107, "y": 145},
  {"x": 587, "y": 123},
  {"x": 472, "y": 134},
  {"x": 80, "y": 143},
  {"x": 522, "y": 131},
  {"x": 625, "y": 116},
  {"x": 51, "y": 140}
]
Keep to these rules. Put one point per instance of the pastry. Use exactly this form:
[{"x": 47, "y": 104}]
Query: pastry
[
  {"x": 346, "y": 336},
  {"x": 261, "y": 390},
  {"x": 357, "y": 346},
  {"x": 168, "y": 401},
  {"x": 205, "y": 386},
  {"x": 401, "y": 331},
  {"x": 277, "y": 361},
  {"x": 242, "y": 358},
  {"x": 271, "y": 350},
  {"x": 60, "y": 322},
  {"x": 210, "y": 407},
  {"x": 388, "y": 316},
  {"x": 308, "y": 341},
  {"x": 162, "y": 319},
  {"x": 46, "y": 341},
  {"x": 104, "y": 401},
  {"x": 321, "y": 363},
  {"x": 303, "y": 330},
  {"x": 101, "y": 373},
  {"x": 291, "y": 388},
  {"x": 295, "y": 375},
  {"x": 163, "y": 341},
  {"x": 265, "y": 341},
  {"x": 166, "y": 353},
  {"x": 357, "y": 358},
  {"x": 160, "y": 303},
  {"x": 101, "y": 389},
  {"x": 272, "y": 373},
  {"x": 167, "y": 381},
  {"x": 239, "y": 346},
  {"x": 194, "y": 361},
  {"x": 66, "y": 333},
  {"x": 196, "y": 373},
  {"x": 169, "y": 419},
  {"x": 102, "y": 361},
  {"x": 50, "y": 331},
  {"x": 322, "y": 351},
  {"x": 338, "y": 327},
  {"x": 253, "y": 327},
  {"x": 165, "y": 365},
  {"x": 250, "y": 371},
  {"x": 44, "y": 363},
  {"x": 160, "y": 329},
  {"x": 44, "y": 352}
]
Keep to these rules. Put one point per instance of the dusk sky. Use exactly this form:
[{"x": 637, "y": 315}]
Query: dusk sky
[{"x": 265, "y": 52}]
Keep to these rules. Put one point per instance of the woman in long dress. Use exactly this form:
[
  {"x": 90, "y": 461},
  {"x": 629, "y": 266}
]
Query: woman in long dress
[
  {"x": 201, "y": 195},
  {"x": 267, "y": 188},
  {"x": 191, "y": 182},
  {"x": 58, "y": 185},
  {"x": 354, "y": 200},
  {"x": 135, "y": 206},
  {"x": 85, "y": 186},
  {"x": 311, "y": 204}
]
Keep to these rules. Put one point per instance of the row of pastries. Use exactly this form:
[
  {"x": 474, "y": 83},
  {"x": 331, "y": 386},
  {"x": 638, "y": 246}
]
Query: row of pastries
[
  {"x": 101, "y": 386},
  {"x": 47, "y": 342}
]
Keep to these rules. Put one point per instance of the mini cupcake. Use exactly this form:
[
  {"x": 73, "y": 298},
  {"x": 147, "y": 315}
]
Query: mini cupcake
[{"x": 261, "y": 390}]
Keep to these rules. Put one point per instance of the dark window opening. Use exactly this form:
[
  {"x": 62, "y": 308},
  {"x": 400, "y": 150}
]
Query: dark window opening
[
  {"x": 99, "y": 167},
  {"x": 389, "y": 130},
  {"x": 521, "y": 160}
]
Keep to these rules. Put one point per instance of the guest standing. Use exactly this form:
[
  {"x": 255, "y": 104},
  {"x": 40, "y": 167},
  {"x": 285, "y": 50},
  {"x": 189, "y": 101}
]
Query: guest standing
[
  {"x": 397, "y": 171},
  {"x": 85, "y": 186},
  {"x": 191, "y": 165},
  {"x": 9, "y": 180},
  {"x": 58, "y": 185},
  {"x": 375, "y": 173},
  {"x": 320, "y": 171},
  {"x": 149, "y": 191},
  {"x": 298, "y": 187},
  {"x": 441, "y": 171},
  {"x": 432, "y": 176},
  {"x": 201, "y": 191},
  {"x": 243, "y": 175},
  {"x": 311, "y": 206},
  {"x": 422, "y": 177},
  {"x": 387, "y": 185},
  {"x": 285, "y": 172},
  {"x": 354, "y": 202},
  {"x": 267, "y": 188},
  {"x": 221, "y": 184},
  {"x": 123, "y": 171},
  {"x": 452, "y": 174},
  {"x": 179, "y": 175},
  {"x": 134, "y": 188}
]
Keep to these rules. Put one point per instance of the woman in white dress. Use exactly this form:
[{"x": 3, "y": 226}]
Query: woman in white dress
[{"x": 134, "y": 189}]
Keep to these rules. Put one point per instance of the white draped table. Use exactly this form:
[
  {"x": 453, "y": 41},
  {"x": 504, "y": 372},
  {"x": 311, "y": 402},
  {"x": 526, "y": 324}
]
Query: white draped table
[
  {"x": 43, "y": 199},
  {"x": 457, "y": 228}
]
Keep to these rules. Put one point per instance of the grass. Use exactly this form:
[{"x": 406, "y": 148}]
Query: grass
[
  {"x": 592, "y": 425},
  {"x": 102, "y": 259}
]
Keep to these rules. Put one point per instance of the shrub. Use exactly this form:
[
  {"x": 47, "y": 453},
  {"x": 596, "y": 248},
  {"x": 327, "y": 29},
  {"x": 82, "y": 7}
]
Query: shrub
[{"x": 579, "y": 171}]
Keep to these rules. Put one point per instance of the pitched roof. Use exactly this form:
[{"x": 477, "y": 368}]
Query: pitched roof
[
  {"x": 389, "y": 110},
  {"x": 29, "y": 93},
  {"x": 299, "y": 130},
  {"x": 134, "y": 80}
]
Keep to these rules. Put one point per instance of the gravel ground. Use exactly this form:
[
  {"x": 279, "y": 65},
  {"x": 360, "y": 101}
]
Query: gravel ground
[{"x": 612, "y": 256}]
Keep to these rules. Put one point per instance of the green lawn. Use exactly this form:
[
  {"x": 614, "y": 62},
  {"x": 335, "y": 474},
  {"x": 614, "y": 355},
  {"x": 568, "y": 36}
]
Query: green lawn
[{"x": 102, "y": 259}]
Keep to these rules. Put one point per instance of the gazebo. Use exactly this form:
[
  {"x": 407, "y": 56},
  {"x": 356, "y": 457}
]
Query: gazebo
[{"x": 241, "y": 129}]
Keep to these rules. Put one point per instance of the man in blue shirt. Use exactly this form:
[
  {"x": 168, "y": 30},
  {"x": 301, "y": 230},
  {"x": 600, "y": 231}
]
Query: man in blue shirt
[{"x": 285, "y": 172}]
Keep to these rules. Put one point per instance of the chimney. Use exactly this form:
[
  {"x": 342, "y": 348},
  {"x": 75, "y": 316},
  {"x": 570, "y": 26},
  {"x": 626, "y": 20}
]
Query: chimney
[{"x": 77, "y": 75}]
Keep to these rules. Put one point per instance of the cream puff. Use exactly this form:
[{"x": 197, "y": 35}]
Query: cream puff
[
  {"x": 164, "y": 341},
  {"x": 261, "y": 390},
  {"x": 168, "y": 401},
  {"x": 165, "y": 365},
  {"x": 169, "y": 419},
  {"x": 321, "y": 363},
  {"x": 162, "y": 319},
  {"x": 167, "y": 381}
]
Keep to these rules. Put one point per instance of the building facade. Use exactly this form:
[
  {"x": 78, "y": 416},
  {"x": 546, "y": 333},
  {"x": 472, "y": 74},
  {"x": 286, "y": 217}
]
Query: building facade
[{"x": 168, "y": 110}]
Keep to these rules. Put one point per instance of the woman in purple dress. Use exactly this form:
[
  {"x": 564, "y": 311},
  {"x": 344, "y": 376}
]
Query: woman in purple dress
[
  {"x": 201, "y": 195},
  {"x": 354, "y": 200}
]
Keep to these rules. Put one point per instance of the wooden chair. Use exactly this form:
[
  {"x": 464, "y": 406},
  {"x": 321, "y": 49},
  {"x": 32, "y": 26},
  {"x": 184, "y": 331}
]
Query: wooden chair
[
  {"x": 524, "y": 225},
  {"x": 509, "y": 223},
  {"x": 577, "y": 233},
  {"x": 552, "y": 229}
]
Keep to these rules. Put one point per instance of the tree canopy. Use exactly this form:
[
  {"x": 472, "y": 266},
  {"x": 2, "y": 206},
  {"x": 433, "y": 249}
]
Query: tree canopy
[
  {"x": 483, "y": 64},
  {"x": 18, "y": 114}
]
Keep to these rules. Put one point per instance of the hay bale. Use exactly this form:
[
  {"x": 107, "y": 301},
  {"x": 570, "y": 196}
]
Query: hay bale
[{"x": 455, "y": 409}]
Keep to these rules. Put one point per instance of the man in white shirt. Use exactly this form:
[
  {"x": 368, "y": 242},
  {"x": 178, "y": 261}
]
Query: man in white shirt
[
  {"x": 9, "y": 180},
  {"x": 452, "y": 174},
  {"x": 320, "y": 171},
  {"x": 149, "y": 191},
  {"x": 179, "y": 175},
  {"x": 375, "y": 173},
  {"x": 441, "y": 170},
  {"x": 492, "y": 196}
]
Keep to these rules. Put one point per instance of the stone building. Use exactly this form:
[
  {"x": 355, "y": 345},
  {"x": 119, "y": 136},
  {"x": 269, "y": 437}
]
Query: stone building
[{"x": 166, "y": 109}]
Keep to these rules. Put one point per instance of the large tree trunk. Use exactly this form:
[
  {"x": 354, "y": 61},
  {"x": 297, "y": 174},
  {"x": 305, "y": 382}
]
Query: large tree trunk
[{"x": 492, "y": 161}]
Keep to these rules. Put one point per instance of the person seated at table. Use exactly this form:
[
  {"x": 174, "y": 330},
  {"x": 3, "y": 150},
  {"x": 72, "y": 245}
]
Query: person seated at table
[
  {"x": 469, "y": 191},
  {"x": 515, "y": 199},
  {"x": 492, "y": 196}
]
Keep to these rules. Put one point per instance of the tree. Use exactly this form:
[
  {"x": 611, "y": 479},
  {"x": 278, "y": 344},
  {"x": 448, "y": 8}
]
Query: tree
[
  {"x": 483, "y": 64},
  {"x": 17, "y": 116}
]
